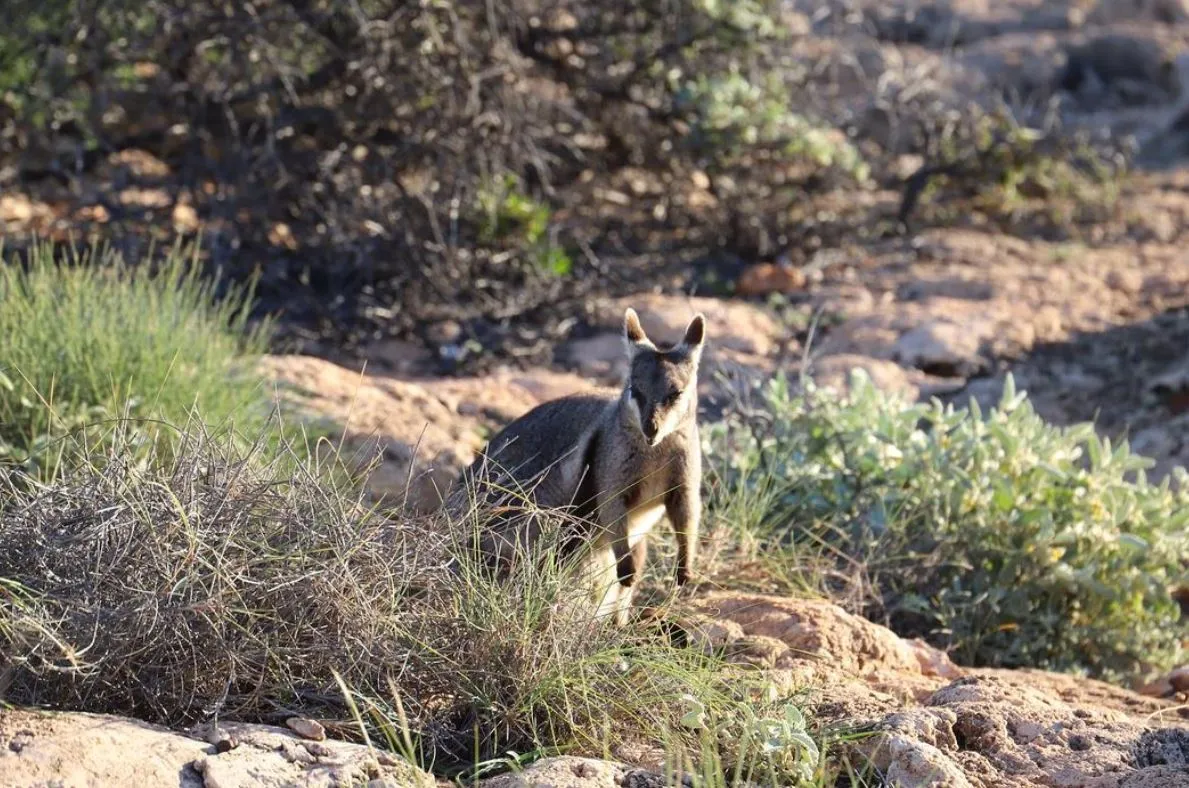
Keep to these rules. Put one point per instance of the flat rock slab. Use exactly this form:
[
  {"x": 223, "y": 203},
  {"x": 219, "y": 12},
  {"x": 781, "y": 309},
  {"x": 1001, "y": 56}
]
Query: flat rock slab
[{"x": 74, "y": 750}]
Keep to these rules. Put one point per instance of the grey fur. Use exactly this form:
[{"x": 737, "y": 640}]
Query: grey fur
[{"x": 617, "y": 464}]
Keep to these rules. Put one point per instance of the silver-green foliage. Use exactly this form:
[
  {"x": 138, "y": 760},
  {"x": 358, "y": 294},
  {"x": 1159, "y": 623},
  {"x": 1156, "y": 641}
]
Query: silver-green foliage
[
  {"x": 768, "y": 745},
  {"x": 734, "y": 113},
  {"x": 1011, "y": 541}
]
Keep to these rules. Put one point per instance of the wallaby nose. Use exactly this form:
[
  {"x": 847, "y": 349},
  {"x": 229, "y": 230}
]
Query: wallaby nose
[{"x": 652, "y": 426}]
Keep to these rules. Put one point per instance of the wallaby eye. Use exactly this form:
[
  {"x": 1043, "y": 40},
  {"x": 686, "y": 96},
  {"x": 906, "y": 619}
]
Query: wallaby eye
[{"x": 673, "y": 397}]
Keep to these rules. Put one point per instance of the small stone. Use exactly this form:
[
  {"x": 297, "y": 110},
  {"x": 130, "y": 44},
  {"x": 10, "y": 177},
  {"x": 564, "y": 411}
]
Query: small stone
[
  {"x": 942, "y": 348},
  {"x": 185, "y": 218},
  {"x": 226, "y": 744},
  {"x": 613, "y": 196},
  {"x": 447, "y": 332},
  {"x": 561, "y": 21},
  {"x": 318, "y": 749},
  {"x": 19, "y": 742},
  {"x": 19, "y": 208},
  {"x": 144, "y": 198},
  {"x": 1125, "y": 281},
  {"x": 294, "y": 752},
  {"x": 639, "y": 186},
  {"x": 282, "y": 235},
  {"x": 559, "y": 48},
  {"x": 306, "y": 728},
  {"x": 584, "y": 770},
  {"x": 94, "y": 213}
]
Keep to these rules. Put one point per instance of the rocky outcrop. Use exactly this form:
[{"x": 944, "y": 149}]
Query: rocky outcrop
[{"x": 937, "y": 724}]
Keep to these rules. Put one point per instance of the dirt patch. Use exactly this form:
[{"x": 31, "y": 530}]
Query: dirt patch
[{"x": 424, "y": 430}]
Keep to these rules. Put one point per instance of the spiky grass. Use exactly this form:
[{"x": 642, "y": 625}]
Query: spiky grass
[{"x": 86, "y": 338}]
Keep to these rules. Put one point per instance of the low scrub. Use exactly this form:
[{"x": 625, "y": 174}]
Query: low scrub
[
  {"x": 87, "y": 339},
  {"x": 1006, "y": 540},
  {"x": 227, "y": 583}
]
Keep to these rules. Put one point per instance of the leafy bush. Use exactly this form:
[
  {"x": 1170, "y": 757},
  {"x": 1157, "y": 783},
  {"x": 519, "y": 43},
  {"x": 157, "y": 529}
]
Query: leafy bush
[
  {"x": 1004, "y": 539},
  {"x": 224, "y": 582},
  {"x": 514, "y": 217},
  {"x": 758, "y": 747},
  {"x": 374, "y": 143},
  {"x": 734, "y": 114},
  {"x": 89, "y": 339},
  {"x": 988, "y": 161}
]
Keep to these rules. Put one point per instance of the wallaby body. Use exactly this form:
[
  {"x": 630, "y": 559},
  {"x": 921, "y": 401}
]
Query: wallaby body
[{"x": 618, "y": 464}]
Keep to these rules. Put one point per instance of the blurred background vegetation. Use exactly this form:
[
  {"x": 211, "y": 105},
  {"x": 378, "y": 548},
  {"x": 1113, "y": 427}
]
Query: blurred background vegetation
[{"x": 387, "y": 166}]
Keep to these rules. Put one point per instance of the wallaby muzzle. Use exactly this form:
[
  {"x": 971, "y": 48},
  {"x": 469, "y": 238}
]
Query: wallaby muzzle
[{"x": 650, "y": 425}]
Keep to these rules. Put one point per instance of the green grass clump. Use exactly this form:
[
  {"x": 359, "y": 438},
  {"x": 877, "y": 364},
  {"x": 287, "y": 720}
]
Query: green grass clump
[
  {"x": 1006, "y": 540},
  {"x": 88, "y": 339}
]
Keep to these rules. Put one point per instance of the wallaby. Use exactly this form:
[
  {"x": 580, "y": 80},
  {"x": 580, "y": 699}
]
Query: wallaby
[{"x": 617, "y": 464}]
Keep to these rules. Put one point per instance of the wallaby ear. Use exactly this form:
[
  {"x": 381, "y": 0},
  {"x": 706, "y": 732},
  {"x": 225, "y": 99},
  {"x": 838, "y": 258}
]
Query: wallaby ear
[
  {"x": 695, "y": 332},
  {"x": 633, "y": 332}
]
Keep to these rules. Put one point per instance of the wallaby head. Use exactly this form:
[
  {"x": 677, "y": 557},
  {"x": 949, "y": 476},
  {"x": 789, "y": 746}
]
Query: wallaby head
[{"x": 662, "y": 386}]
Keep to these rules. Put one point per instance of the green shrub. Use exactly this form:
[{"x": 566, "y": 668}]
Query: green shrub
[
  {"x": 1007, "y": 540},
  {"x": 733, "y": 114},
  {"x": 986, "y": 161},
  {"x": 771, "y": 746},
  {"x": 511, "y": 215},
  {"x": 89, "y": 339}
]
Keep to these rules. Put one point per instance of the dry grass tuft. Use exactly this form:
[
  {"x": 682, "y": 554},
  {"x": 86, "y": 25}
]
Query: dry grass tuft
[{"x": 241, "y": 583}]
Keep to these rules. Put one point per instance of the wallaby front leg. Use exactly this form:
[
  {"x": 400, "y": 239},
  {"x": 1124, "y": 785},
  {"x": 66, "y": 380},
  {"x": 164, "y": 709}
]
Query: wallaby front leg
[
  {"x": 684, "y": 509},
  {"x": 629, "y": 571}
]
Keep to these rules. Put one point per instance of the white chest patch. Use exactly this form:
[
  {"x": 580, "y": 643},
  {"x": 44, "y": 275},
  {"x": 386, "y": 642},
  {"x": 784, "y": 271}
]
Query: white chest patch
[{"x": 643, "y": 520}]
